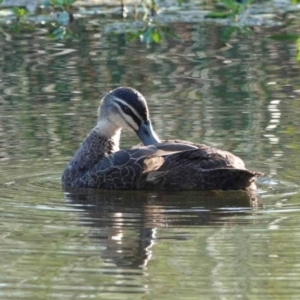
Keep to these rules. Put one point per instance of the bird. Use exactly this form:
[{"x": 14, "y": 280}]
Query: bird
[{"x": 153, "y": 165}]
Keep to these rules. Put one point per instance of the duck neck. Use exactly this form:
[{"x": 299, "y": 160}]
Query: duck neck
[
  {"x": 109, "y": 133},
  {"x": 98, "y": 144}
]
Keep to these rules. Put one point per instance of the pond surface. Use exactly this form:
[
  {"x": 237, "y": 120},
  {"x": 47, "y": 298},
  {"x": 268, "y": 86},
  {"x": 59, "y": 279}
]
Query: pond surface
[{"x": 242, "y": 96}]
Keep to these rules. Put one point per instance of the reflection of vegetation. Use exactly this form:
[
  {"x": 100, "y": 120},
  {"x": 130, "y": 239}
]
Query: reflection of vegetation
[
  {"x": 59, "y": 27},
  {"x": 229, "y": 31},
  {"x": 295, "y": 38},
  {"x": 59, "y": 18},
  {"x": 60, "y": 32},
  {"x": 150, "y": 7},
  {"x": 233, "y": 9},
  {"x": 151, "y": 33},
  {"x": 20, "y": 13},
  {"x": 62, "y": 4}
]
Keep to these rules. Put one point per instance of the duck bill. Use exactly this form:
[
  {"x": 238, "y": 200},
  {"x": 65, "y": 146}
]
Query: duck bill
[{"x": 147, "y": 135}]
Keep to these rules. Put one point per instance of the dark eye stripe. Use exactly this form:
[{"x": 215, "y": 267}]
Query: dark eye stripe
[
  {"x": 133, "y": 99},
  {"x": 129, "y": 112}
]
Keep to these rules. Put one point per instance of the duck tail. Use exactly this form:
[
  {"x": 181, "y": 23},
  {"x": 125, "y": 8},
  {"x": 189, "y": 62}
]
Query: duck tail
[{"x": 229, "y": 179}]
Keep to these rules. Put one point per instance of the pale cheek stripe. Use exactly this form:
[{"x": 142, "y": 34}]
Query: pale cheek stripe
[
  {"x": 131, "y": 120},
  {"x": 122, "y": 102}
]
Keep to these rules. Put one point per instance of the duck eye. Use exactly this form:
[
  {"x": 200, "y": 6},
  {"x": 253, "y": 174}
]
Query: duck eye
[{"x": 126, "y": 110}]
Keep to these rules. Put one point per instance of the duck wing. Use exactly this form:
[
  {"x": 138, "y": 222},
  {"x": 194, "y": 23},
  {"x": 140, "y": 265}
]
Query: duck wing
[
  {"x": 212, "y": 157},
  {"x": 204, "y": 168},
  {"x": 168, "y": 166},
  {"x": 122, "y": 169}
]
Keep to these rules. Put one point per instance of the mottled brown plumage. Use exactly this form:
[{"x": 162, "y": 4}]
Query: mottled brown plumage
[{"x": 167, "y": 165}]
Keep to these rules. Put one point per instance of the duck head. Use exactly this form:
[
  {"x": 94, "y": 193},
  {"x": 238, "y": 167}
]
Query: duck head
[{"x": 124, "y": 107}]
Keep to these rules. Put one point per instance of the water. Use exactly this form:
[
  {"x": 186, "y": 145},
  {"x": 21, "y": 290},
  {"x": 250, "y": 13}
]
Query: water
[{"x": 73, "y": 244}]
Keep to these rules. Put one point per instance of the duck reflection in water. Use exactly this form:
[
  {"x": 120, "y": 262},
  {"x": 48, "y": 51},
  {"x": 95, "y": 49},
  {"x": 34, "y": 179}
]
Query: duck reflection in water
[{"x": 125, "y": 223}]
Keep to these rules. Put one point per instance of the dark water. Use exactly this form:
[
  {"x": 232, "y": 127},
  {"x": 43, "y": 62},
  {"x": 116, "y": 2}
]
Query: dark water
[{"x": 243, "y": 97}]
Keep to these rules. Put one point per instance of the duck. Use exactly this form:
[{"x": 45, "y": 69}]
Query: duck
[{"x": 154, "y": 164}]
